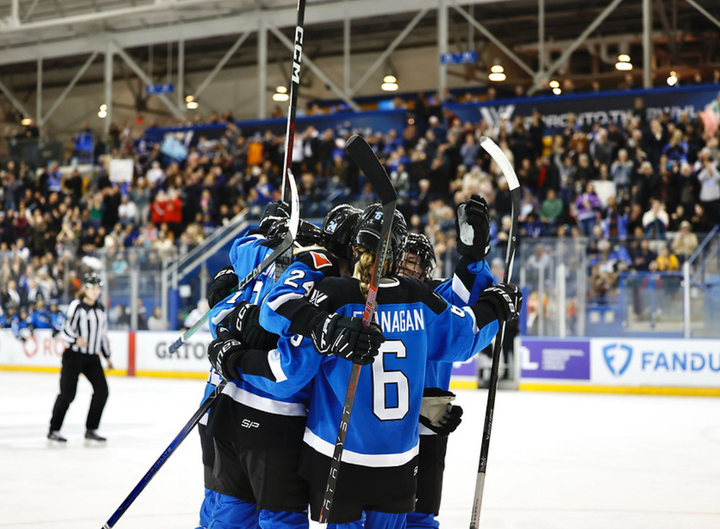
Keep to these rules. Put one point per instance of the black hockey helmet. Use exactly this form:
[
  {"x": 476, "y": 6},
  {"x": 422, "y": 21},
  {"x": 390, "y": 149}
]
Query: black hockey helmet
[
  {"x": 418, "y": 259},
  {"x": 92, "y": 278},
  {"x": 274, "y": 211},
  {"x": 366, "y": 235},
  {"x": 337, "y": 229},
  {"x": 308, "y": 234}
]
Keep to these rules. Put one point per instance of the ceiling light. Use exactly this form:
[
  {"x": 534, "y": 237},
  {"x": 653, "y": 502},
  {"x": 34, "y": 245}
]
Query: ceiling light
[
  {"x": 497, "y": 68},
  {"x": 280, "y": 97},
  {"x": 390, "y": 79},
  {"x": 26, "y": 122},
  {"x": 497, "y": 76},
  {"x": 192, "y": 105},
  {"x": 103, "y": 107},
  {"x": 557, "y": 91},
  {"x": 672, "y": 79},
  {"x": 624, "y": 63},
  {"x": 281, "y": 90},
  {"x": 554, "y": 84},
  {"x": 389, "y": 87},
  {"x": 102, "y": 114},
  {"x": 189, "y": 98}
]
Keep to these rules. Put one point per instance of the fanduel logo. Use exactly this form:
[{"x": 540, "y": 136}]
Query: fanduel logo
[{"x": 617, "y": 357}]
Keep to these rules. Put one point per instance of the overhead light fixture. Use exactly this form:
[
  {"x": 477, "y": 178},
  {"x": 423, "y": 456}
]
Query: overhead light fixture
[
  {"x": 624, "y": 64},
  {"x": 192, "y": 105},
  {"x": 672, "y": 78},
  {"x": 554, "y": 84},
  {"x": 557, "y": 91},
  {"x": 389, "y": 83},
  {"x": 26, "y": 122},
  {"x": 497, "y": 73},
  {"x": 189, "y": 98},
  {"x": 281, "y": 94},
  {"x": 103, "y": 107},
  {"x": 102, "y": 112}
]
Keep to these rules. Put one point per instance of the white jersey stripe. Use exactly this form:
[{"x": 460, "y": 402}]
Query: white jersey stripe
[
  {"x": 293, "y": 409},
  {"x": 355, "y": 458}
]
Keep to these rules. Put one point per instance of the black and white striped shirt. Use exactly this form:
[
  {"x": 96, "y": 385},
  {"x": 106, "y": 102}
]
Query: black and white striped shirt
[{"x": 88, "y": 322}]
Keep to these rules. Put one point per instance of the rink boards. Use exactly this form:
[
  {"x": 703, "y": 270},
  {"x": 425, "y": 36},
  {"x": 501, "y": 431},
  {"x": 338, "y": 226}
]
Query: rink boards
[
  {"x": 605, "y": 365},
  {"x": 619, "y": 365},
  {"x": 142, "y": 353}
]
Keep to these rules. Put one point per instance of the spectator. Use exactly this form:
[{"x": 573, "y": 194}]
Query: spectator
[
  {"x": 587, "y": 210},
  {"x": 685, "y": 242},
  {"x": 655, "y": 221},
  {"x": 666, "y": 261},
  {"x": 709, "y": 178},
  {"x": 551, "y": 209},
  {"x": 621, "y": 172},
  {"x": 642, "y": 256},
  {"x": 155, "y": 322}
]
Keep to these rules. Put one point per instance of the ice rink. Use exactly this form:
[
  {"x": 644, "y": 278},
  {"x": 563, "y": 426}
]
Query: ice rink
[{"x": 557, "y": 461}]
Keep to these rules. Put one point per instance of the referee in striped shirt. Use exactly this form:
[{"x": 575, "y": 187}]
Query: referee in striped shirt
[{"x": 85, "y": 336}]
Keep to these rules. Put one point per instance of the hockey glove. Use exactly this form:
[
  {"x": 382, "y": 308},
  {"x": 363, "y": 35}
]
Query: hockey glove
[
  {"x": 224, "y": 354},
  {"x": 472, "y": 224},
  {"x": 345, "y": 337},
  {"x": 244, "y": 322},
  {"x": 222, "y": 285},
  {"x": 436, "y": 412},
  {"x": 506, "y": 301}
]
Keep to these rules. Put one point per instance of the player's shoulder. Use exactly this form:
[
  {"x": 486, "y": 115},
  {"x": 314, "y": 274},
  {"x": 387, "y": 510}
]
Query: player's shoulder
[
  {"x": 318, "y": 259},
  {"x": 410, "y": 290}
]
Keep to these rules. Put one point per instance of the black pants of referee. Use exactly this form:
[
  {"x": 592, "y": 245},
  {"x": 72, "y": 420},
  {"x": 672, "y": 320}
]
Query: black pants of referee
[{"x": 74, "y": 363}]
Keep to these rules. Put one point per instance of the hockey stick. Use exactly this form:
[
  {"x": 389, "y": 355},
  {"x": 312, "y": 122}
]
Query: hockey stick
[
  {"x": 289, "y": 239},
  {"x": 365, "y": 158},
  {"x": 514, "y": 185},
  {"x": 294, "y": 89},
  {"x": 270, "y": 259},
  {"x": 164, "y": 456}
]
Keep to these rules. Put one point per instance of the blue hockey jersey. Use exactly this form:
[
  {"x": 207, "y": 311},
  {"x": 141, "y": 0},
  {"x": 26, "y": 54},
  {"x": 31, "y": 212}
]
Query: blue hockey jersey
[
  {"x": 41, "y": 319},
  {"x": 464, "y": 289},
  {"x": 419, "y": 326},
  {"x": 240, "y": 403}
]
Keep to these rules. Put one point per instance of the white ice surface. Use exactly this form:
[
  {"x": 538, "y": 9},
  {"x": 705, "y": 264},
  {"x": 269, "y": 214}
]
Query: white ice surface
[{"x": 557, "y": 461}]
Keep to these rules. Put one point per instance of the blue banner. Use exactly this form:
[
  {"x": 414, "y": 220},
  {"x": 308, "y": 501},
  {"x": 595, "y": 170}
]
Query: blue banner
[
  {"x": 469, "y": 56},
  {"x": 162, "y": 88},
  {"x": 590, "y": 108}
]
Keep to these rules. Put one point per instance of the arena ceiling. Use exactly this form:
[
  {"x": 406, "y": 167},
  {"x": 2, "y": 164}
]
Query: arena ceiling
[{"x": 64, "y": 32}]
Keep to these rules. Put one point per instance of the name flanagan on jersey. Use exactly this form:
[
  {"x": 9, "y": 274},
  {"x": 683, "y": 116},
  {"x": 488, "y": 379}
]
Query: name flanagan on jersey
[{"x": 398, "y": 320}]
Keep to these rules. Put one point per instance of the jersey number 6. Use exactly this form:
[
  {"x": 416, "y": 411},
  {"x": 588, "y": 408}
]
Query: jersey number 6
[{"x": 383, "y": 378}]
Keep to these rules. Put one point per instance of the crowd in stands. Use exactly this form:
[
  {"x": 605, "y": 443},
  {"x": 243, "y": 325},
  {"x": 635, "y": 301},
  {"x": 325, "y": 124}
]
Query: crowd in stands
[{"x": 619, "y": 185}]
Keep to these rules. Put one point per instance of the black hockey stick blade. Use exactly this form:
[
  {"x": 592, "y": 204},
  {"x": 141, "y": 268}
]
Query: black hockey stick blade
[
  {"x": 363, "y": 155},
  {"x": 204, "y": 407},
  {"x": 514, "y": 185},
  {"x": 270, "y": 259}
]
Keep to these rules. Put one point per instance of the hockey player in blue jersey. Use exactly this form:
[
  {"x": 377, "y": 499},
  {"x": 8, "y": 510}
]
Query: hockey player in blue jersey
[
  {"x": 257, "y": 435},
  {"x": 438, "y": 417},
  {"x": 380, "y": 459},
  {"x": 243, "y": 255},
  {"x": 268, "y": 430},
  {"x": 20, "y": 325},
  {"x": 57, "y": 318},
  {"x": 41, "y": 317}
]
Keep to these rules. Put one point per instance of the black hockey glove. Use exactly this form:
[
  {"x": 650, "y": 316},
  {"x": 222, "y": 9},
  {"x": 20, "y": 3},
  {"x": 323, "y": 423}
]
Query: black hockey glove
[
  {"x": 505, "y": 299},
  {"x": 224, "y": 354},
  {"x": 346, "y": 337},
  {"x": 244, "y": 322},
  {"x": 222, "y": 285},
  {"x": 436, "y": 412},
  {"x": 472, "y": 224}
]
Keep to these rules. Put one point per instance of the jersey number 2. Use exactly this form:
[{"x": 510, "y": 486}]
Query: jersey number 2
[{"x": 383, "y": 378}]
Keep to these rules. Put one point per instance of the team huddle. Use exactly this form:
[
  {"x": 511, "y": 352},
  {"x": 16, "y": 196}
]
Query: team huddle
[{"x": 286, "y": 344}]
